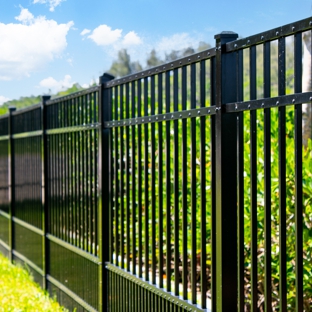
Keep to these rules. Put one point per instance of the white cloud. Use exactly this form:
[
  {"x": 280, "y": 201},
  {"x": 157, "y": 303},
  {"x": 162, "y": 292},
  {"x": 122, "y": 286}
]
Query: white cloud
[
  {"x": 54, "y": 86},
  {"x": 176, "y": 42},
  {"x": 70, "y": 61},
  {"x": 25, "y": 16},
  {"x": 3, "y": 99},
  {"x": 131, "y": 38},
  {"x": 113, "y": 40},
  {"x": 29, "y": 45},
  {"x": 88, "y": 85},
  {"x": 85, "y": 31},
  {"x": 52, "y": 3},
  {"x": 138, "y": 47},
  {"x": 104, "y": 35}
]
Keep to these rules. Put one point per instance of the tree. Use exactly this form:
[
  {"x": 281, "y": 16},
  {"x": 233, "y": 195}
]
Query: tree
[
  {"x": 153, "y": 60},
  {"x": 203, "y": 46},
  {"x": 172, "y": 56},
  {"x": 135, "y": 67},
  {"x": 123, "y": 65},
  {"x": 188, "y": 51},
  {"x": 26, "y": 101}
]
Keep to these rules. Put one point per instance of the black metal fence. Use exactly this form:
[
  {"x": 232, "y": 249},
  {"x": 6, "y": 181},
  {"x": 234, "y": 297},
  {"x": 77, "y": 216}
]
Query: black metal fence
[{"x": 185, "y": 187}]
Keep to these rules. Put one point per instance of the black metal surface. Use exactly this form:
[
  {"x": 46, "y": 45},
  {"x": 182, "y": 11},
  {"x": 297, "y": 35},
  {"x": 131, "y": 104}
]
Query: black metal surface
[
  {"x": 146, "y": 294},
  {"x": 203, "y": 200},
  {"x": 105, "y": 213},
  {"x": 28, "y": 180},
  {"x": 11, "y": 181},
  {"x": 147, "y": 173},
  {"x": 267, "y": 178},
  {"x": 153, "y": 182},
  {"x": 139, "y": 181},
  {"x": 164, "y": 68},
  {"x": 73, "y": 96},
  {"x": 122, "y": 181},
  {"x": 133, "y": 180},
  {"x": 240, "y": 185},
  {"x": 278, "y": 101},
  {"x": 184, "y": 188},
  {"x": 28, "y": 243},
  {"x": 127, "y": 193},
  {"x": 193, "y": 188},
  {"x": 270, "y": 35},
  {"x": 162, "y": 117},
  {"x": 282, "y": 178},
  {"x": 253, "y": 181},
  {"x": 4, "y": 172},
  {"x": 163, "y": 253},
  {"x": 298, "y": 173},
  {"x": 168, "y": 186},
  {"x": 213, "y": 184},
  {"x": 176, "y": 184},
  {"x": 226, "y": 179},
  {"x": 160, "y": 182},
  {"x": 67, "y": 271},
  {"x": 116, "y": 179}
]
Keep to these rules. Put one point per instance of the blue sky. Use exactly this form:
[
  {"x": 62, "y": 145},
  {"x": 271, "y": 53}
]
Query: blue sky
[{"x": 47, "y": 45}]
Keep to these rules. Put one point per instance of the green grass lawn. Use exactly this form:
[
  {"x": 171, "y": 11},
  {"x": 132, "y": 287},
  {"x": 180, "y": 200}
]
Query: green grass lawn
[{"x": 19, "y": 293}]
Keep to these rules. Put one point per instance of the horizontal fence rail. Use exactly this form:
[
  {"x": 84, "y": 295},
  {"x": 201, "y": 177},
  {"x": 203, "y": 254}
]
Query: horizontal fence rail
[{"x": 184, "y": 187}]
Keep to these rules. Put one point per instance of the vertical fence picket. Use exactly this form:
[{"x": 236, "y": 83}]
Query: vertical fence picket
[
  {"x": 213, "y": 184},
  {"x": 153, "y": 183},
  {"x": 203, "y": 236},
  {"x": 140, "y": 234},
  {"x": 240, "y": 185},
  {"x": 267, "y": 178},
  {"x": 184, "y": 187},
  {"x": 11, "y": 181},
  {"x": 127, "y": 194},
  {"x": 193, "y": 189},
  {"x": 176, "y": 185},
  {"x": 146, "y": 180},
  {"x": 298, "y": 175},
  {"x": 45, "y": 188},
  {"x": 226, "y": 178},
  {"x": 133, "y": 180},
  {"x": 160, "y": 182},
  {"x": 168, "y": 188},
  {"x": 104, "y": 205},
  {"x": 117, "y": 166},
  {"x": 282, "y": 178},
  {"x": 253, "y": 181}
]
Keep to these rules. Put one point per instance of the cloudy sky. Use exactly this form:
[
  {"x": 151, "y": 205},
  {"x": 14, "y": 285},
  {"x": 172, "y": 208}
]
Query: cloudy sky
[{"x": 47, "y": 45}]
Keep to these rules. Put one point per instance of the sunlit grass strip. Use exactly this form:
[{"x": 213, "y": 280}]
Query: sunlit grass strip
[{"x": 18, "y": 291}]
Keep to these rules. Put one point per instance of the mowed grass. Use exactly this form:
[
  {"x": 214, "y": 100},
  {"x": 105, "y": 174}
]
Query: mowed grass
[{"x": 19, "y": 293}]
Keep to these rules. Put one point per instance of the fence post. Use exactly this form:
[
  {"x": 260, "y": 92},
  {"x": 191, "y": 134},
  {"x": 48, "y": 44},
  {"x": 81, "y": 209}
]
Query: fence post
[
  {"x": 11, "y": 181},
  {"x": 226, "y": 177},
  {"x": 104, "y": 206},
  {"x": 44, "y": 184}
]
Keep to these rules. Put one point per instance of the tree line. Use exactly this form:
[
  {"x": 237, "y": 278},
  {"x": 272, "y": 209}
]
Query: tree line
[{"x": 123, "y": 65}]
